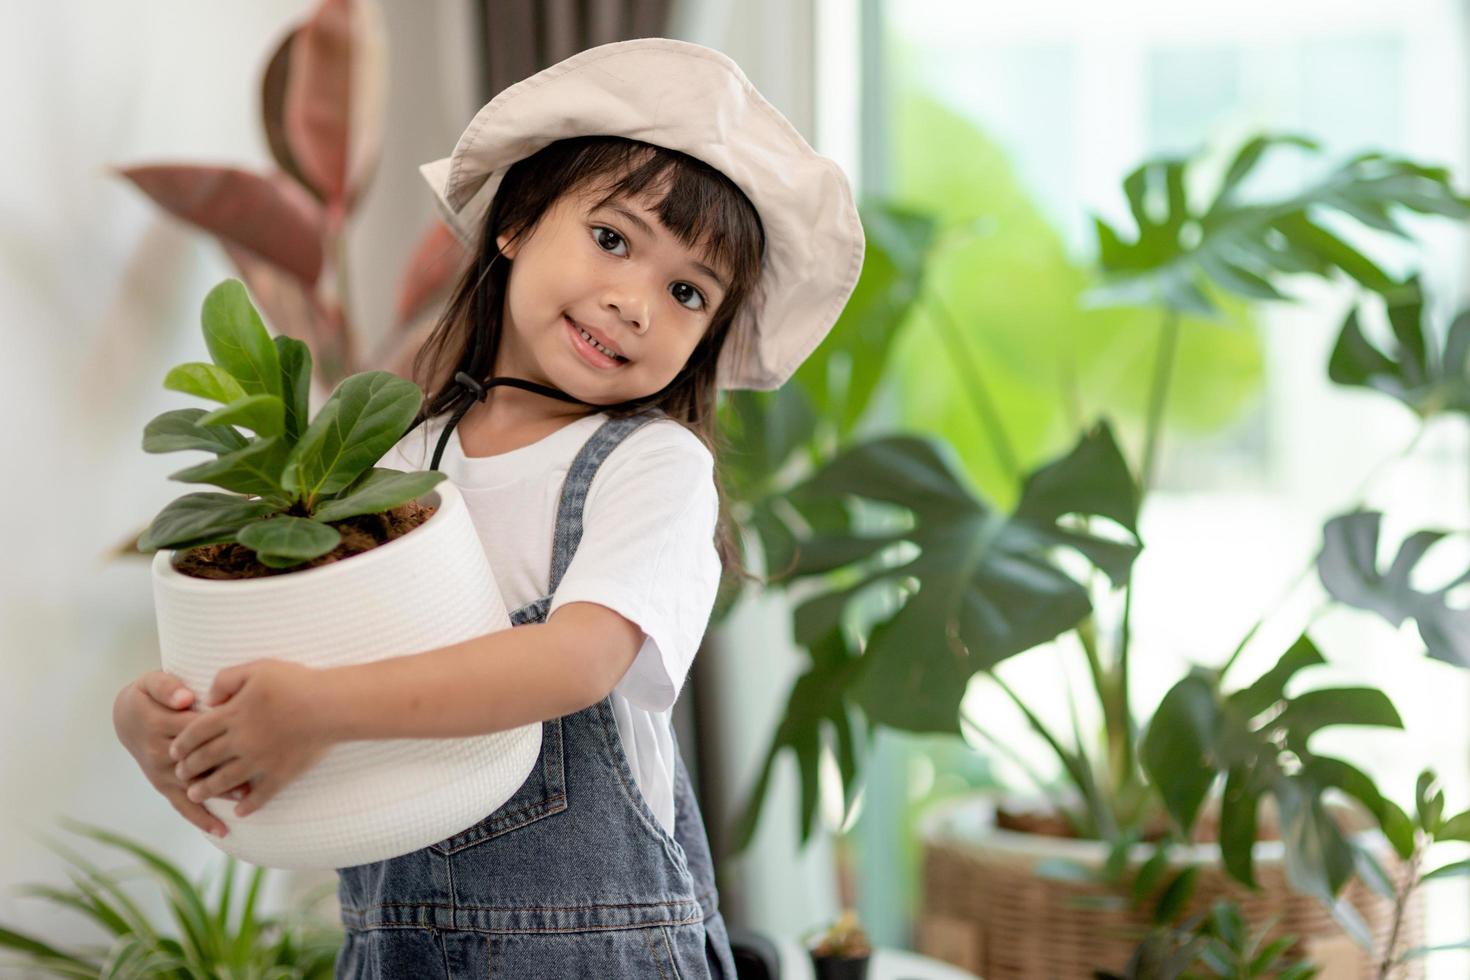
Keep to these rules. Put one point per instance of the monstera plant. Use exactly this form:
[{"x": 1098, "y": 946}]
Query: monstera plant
[{"x": 911, "y": 584}]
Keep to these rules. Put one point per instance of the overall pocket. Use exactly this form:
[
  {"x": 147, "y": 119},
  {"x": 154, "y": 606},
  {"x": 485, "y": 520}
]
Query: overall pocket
[{"x": 543, "y": 793}]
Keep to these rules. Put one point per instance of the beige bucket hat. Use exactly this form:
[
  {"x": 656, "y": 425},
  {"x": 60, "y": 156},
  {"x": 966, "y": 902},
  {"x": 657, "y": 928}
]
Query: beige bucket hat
[{"x": 694, "y": 99}]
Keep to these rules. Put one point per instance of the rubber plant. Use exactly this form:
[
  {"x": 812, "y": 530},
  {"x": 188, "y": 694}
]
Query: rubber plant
[
  {"x": 292, "y": 477},
  {"x": 910, "y": 584},
  {"x": 285, "y": 229}
]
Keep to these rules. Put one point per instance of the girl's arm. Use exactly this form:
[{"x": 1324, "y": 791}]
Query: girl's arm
[
  {"x": 486, "y": 684},
  {"x": 273, "y": 719}
]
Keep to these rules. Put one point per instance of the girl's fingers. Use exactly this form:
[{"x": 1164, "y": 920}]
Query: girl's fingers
[
  {"x": 219, "y": 782},
  {"x": 204, "y": 758},
  {"x": 166, "y": 689},
  {"x": 195, "y": 813},
  {"x": 199, "y": 730}
]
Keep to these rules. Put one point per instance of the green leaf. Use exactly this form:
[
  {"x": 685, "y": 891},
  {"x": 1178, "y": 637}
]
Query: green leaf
[
  {"x": 376, "y": 491},
  {"x": 1238, "y": 809},
  {"x": 1271, "y": 686},
  {"x": 300, "y": 538},
  {"x": 1093, "y": 478},
  {"x": 256, "y": 469},
  {"x": 261, "y": 414},
  {"x": 1178, "y": 749},
  {"x": 1428, "y": 802},
  {"x": 205, "y": 381},
  {"x": 1455, "y": 828},
  {"x": 181, "y": 429},
  {"x": 363, "y": 419},
  {"x": 1427, "y": 379},
  {"x": 199, "y": 515},
  {"x": 1176, "y": 895},
  {"x": 988, "y": 587},
  {"x": 238, "y": 341},
  {"x": 1349, "y": 571},
  {"x": 295, "y": 358},
  {"x": 816, "y": 701},
  {"x": 1149, "y": 874},
  {"x": 1241, "y": 246},
  {"x": 841, "y": 375},
  {"x": 1314, "y": 710},
  {"x": 1319, "y": 859},
  {"x": 1458, "y": 869},
  {"x": 1322, "y": 771}
]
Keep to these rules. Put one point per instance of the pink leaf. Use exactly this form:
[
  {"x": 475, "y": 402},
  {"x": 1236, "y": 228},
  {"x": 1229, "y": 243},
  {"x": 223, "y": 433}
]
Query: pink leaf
[
  {"x": 318, "y": 97},
  {"x": 278, "y": 221},
  {"x": 368, "y": 95},
  {"x": 273, "y": 111}
]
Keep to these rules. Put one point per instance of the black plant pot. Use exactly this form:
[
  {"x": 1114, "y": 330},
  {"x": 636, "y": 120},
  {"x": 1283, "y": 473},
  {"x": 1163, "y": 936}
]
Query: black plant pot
[{"x": 840, "y": 967}]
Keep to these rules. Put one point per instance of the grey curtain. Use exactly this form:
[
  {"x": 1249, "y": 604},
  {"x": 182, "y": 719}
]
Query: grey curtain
[{"x": 520, "y": 37}]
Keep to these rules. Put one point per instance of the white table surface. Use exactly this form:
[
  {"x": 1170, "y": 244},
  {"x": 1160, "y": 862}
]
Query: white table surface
[{"x": 887, "y": 964}]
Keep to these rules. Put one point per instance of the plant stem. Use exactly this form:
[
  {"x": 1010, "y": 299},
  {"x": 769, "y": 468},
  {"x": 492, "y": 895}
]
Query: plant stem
[
  {"x": 1400, "y": 908},
  {"x": 1121, "y": 735},
  {"x": 1357, "y": 502},
  {"x": 1158, "y": 397},
  {"x": 980, "y": 397},
  {"x": 344, "y": 299}
]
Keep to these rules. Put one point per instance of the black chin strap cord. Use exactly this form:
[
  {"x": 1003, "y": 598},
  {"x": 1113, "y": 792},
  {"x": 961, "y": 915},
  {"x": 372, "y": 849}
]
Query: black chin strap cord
[{"x": 479, "y": 390}]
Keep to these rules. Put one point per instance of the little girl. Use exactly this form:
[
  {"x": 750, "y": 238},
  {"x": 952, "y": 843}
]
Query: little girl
[{"x": 646, "y": 229}]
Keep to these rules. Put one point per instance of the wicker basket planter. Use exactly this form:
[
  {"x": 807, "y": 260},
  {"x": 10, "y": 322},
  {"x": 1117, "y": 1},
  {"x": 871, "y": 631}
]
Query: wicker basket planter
[
  {"x": 983, "y": 908},
  {"x": 363, "y": 800}
]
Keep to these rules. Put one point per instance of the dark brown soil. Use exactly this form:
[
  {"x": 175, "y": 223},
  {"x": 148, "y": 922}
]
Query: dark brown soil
[{"x": 359, "y": 534}]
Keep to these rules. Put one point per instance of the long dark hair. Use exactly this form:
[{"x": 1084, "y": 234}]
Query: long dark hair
[{"x": 701, "y": 207}]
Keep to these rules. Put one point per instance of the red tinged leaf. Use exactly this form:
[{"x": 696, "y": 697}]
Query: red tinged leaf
[
  {"x": 318, "y": 97},
  {"x": 369, "y": 94},
  {"x": 276, "y": 220},
  {"x": 273, "y": 111},
  {"x": 438, "y": 258}
]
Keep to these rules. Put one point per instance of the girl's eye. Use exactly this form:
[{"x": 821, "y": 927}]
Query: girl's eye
[
  {"x": 597, "y": 233},
  {"x": 600, "y": 233},
  {"x": 694, "y": 292}
]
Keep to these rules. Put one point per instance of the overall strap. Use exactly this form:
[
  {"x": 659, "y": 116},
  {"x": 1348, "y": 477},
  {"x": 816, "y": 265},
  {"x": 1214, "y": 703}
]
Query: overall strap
[{"x": 569, "y": 512}]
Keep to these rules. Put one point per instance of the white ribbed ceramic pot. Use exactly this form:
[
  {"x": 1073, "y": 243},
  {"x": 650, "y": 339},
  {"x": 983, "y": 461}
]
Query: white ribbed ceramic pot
[{"x": 365, "y": 800}]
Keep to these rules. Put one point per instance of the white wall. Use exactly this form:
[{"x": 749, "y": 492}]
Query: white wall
[{"x": 99, "y": 295}]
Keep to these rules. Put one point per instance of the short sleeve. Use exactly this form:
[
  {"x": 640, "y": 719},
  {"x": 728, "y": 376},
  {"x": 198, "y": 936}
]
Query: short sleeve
[{"x": 647, "y": 553}]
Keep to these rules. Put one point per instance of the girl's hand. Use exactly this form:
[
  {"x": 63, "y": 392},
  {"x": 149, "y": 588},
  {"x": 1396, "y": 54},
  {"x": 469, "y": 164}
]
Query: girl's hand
[
  {"x": 146, "y": 715},
  {"x": 266, "y": 730}
]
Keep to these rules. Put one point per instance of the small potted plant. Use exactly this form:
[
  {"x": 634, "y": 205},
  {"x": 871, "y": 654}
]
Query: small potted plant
[
  {"x": 318, "y": 556},
  {"x": 842, "y": 951}
]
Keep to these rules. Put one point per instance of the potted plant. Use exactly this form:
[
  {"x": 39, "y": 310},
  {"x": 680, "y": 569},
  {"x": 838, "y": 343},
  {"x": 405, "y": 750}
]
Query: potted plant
[
  {"x": 317, "y": 556},
  {"x": 842, "y": 950},
  {"x": 209, "y": 938},
  {"x": 910, "y": 584}
]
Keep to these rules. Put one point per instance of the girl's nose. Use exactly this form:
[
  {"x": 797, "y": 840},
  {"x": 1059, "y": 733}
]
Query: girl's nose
[{"x": 631, "y": 307}]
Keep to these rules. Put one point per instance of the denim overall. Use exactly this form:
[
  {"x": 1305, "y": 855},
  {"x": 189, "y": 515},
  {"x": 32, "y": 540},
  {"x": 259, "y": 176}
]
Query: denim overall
[{"x": 573, "y": 877}]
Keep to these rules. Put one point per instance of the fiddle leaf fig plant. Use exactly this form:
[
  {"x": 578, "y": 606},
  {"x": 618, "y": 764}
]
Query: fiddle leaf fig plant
[{"x": 291, "y": 477}]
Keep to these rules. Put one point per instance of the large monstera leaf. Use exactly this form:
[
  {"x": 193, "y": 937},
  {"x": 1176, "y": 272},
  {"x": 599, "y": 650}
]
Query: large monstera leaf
[
  {"x": 1243, "y": 247},
  {"x": 1348, "y": 566},
  {"x": 983, "y": 586},
  {"x": 1427, "y": 378}
]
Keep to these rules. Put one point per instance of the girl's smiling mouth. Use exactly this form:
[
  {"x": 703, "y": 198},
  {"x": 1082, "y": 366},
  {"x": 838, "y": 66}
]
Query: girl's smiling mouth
[{"x": 590, "y": 353}]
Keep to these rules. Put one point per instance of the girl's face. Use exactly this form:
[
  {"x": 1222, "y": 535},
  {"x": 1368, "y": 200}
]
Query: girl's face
[{"x": 616, "y": 273}]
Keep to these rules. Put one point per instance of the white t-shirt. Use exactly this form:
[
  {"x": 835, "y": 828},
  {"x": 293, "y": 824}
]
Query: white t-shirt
[{"x": 647, "y": 552}]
